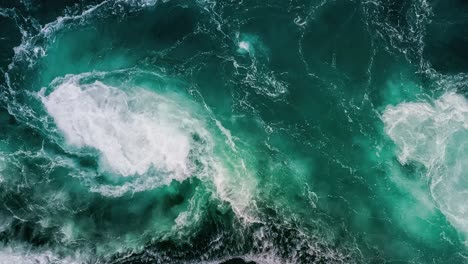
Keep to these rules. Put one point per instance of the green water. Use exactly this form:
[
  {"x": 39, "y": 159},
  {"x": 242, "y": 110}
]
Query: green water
[{"x": 322, "y": 131}]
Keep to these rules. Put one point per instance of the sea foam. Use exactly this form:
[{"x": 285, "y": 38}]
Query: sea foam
[
  {"x": 149, "y": 137},
  {"x": 25, "y": 255},
  {"x": 435, "y": 134},
  {"x": 132, "y": 132}
]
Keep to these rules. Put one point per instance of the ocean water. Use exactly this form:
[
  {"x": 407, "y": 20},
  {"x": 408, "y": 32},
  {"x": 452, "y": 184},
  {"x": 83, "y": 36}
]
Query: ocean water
[{"x": 209, "y": 131}]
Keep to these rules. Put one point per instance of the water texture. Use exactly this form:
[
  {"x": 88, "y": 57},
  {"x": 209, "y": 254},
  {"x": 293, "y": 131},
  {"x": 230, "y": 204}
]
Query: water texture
[{"x": 202, "y": 131}]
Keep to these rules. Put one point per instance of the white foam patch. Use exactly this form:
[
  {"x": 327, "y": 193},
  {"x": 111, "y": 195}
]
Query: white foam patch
[
  {"x": 244, "y": 46},
  {"x": 144, "y": 3},
  {"x": 2, "y": 167},
  {"x": 22, "y": 255},
  {"x": 132, "y": 133},
  {"x": 436, "y": 135},
  {"x": 151, "y": 138}
]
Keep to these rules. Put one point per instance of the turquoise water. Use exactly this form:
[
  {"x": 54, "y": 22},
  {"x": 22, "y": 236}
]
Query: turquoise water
[{"x": 247, "y": 131}]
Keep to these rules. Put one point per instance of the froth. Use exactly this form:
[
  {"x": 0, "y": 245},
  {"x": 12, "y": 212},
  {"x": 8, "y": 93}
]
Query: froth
[
  {"x": 24, "y": 255},
  {"x": 151, "y": 138},
  {"x": 435, "y": 135},
  {"x": 132, "y": 132}
]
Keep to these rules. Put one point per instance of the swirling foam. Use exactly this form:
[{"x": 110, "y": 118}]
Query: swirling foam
[
  {"x": 148, "y": 137},
  {"x": 130, "y": 138},
  {"x": 435, "y": 135}
]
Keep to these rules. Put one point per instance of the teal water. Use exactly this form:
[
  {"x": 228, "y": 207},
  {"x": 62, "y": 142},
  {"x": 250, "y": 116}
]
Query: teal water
[{"x": 322, "y": 131}]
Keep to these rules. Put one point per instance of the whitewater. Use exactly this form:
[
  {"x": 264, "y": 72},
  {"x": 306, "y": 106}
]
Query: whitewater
[{"x": 233, "y": 132}]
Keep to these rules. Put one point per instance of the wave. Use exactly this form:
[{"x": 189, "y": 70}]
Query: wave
[
  {"x": 110, "y": 141},
  {"x": 21, "y": 255},
  {"x": 149, "y": 137}
]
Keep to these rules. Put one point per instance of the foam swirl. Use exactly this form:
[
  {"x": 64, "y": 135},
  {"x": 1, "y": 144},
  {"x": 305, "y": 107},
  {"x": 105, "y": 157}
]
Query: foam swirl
[{"x": 434, "y": 135}]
